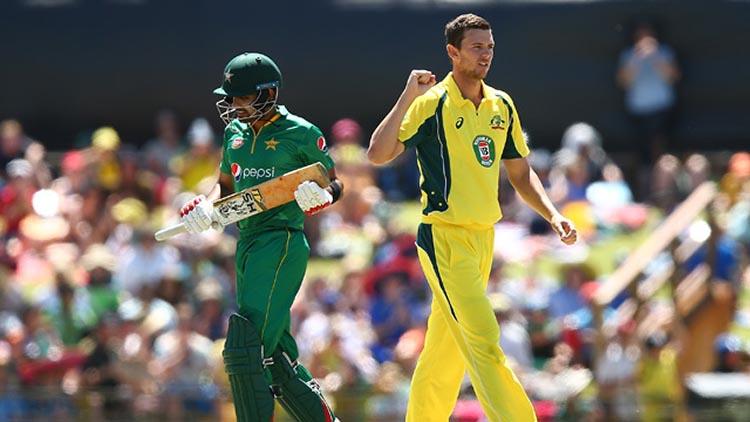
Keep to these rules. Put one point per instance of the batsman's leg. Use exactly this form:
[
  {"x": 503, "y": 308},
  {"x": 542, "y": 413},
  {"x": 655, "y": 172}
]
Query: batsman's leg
[
  {"x": 243, "y": 361},
  {"x": 297, "y": 391}
]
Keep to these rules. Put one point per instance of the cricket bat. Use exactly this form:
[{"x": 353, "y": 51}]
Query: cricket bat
[{"x": 264, "y": 196}]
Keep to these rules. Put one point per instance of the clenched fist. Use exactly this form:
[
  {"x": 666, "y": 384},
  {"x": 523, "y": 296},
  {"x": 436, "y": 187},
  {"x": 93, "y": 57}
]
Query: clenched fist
[
  {"x": 311, "y": 198},
  {"x": 196, "y": 214}
]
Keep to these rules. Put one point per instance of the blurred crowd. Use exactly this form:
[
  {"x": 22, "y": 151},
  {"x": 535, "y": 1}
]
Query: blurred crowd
[{"x": 98, "y": 321}]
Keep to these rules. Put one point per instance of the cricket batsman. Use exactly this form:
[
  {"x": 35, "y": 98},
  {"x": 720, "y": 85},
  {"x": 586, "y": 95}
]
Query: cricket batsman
[{"x": 263, "y": 140}]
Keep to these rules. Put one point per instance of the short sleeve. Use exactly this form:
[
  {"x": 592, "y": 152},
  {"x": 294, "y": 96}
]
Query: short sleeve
[
  {"x": 315, "y": 149},
  {"x": 225, "y": 165},
  {"x": 515, "y": 143},
  {"x": 419, "y": 122}
]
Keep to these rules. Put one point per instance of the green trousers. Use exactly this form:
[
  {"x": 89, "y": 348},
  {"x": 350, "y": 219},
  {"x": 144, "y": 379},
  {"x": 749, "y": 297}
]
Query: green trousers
[{"x": 270, "y": 268}]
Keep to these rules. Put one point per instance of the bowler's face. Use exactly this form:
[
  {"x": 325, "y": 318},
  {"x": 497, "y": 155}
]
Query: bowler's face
[{"x": 475, "y": 54}]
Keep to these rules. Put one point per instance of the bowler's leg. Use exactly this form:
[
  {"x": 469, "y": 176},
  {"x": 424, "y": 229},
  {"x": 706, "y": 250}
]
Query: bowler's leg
[{"x": 437, "y": 378}]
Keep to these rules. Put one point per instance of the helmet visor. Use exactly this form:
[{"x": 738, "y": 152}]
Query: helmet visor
[{"x": 250, "y": 113}]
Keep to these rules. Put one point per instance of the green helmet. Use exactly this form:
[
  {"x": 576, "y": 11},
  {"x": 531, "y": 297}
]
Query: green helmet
[{"x": 247, "y": 74}]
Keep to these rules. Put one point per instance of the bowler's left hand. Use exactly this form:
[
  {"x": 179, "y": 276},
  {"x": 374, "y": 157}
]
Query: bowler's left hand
[
  {"x": 565, "y": 229},
  {"x": 311, "y": 198}
]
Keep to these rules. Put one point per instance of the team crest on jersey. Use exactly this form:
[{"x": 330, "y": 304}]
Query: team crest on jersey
[
  {"x": 484, "y": 149},
  {"x": 238, "y": 142},
  {"x": 271, "y": 144},
  {"x": 497, "y": 122},
  {"x": 322, "y": 144}
]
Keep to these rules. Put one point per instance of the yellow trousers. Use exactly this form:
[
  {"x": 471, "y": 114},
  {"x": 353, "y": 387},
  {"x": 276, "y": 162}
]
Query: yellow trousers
[{"x": 462, "y": 332}]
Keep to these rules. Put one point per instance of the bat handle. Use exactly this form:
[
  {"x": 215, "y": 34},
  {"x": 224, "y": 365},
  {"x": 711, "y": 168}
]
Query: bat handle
[{"x": 168, "y": 232}]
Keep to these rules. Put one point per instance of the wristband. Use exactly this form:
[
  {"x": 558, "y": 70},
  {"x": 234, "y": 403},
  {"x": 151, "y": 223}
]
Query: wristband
[{"x": 336, "y": 190}]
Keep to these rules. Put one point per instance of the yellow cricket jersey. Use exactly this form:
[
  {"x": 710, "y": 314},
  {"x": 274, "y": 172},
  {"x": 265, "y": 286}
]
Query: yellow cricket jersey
[{"x": 459, "y": 148}]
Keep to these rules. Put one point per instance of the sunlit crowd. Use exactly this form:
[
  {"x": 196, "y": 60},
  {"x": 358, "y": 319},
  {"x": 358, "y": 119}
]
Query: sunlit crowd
[{"x": 100, "y": 321}]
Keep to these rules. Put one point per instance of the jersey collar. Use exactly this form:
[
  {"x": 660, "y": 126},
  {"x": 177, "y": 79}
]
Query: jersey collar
[
  {"x": 455, "y": 93},
  {"x": 280, "y": 112}
]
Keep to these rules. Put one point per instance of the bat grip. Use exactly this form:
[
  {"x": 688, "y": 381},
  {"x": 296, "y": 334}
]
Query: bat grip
[{"x": 168, "y": 232}]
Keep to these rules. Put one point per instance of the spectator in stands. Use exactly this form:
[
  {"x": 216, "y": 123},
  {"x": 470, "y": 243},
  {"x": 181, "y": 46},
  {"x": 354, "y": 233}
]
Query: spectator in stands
[
  {"x": 16, "y": 195},
  {"x": 35, "y": 154},
  {"x": 726, "y": 261},
  {"x": 391, "y": 314},
  {"x": 210, "y": 319},
  {"x": 135, "y": 181},
  {"x": 184, "y": 362},
  {"x": 736, "y": 181},
  {"x": 70, "y": 312},
  {"x": 697, "y": 169},
  {"x": 99, "y": 263},
  {"x": 514, "y": 339},
  {"x": 144, "y": 262},
  {"x": 570, "y": 178},
  {"x": 348, "y": 150},
  {"x": 353, "y": 297},
  {"x": 659, "y": 388},
  {"x": 200, "y": 161},
  {"x": 13, "y": 143},
  {"x": 731, "y": 356},
  {"x": 105, "y": 144},
  {"x": 567, "y": 299},
  {"x": 100, "y": 371},
  {"x": 334, "y": 229},
  {"x": 543, "y": 330},
  {"x": 167, "y": 145},
  {"x": 664, "y": 186},
  {"x": 615, "y": 374},
  {"x": 40, "y": 343},
  {"x": 735, "y": 184},
  {"x": 647, "y": 72},
  {"x": 586, "y": 142},
  {"x": 12, "y": 405}
]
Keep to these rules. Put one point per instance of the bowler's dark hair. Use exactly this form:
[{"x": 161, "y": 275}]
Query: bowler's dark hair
[{"x": 455, "y": 29}]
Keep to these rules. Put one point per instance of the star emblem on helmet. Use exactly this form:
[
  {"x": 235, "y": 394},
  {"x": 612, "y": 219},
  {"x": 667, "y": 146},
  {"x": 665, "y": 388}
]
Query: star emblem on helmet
[
  {"x": 228, "y": 76},
  {"x": 272, "y": 144}
]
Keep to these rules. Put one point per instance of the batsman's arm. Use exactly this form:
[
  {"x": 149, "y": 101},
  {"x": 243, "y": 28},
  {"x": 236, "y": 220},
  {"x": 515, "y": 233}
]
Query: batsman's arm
[
  {"x": 225, "y": 187},
  {"x": 221, "y": 189},
  {"x": 384, "y": 143},
  {"x": 200, "y": 213}
]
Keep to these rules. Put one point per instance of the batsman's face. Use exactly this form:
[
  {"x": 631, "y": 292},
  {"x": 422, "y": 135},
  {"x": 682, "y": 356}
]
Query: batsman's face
[
  {"x": 244, "y": 105},
  {"x": 475, "y": 55}
]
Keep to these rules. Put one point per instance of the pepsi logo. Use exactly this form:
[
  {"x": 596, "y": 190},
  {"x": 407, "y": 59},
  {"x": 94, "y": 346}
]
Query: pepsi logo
[
  {"x": 322, "y": 144},
  {"x": 236, "y": 172}
]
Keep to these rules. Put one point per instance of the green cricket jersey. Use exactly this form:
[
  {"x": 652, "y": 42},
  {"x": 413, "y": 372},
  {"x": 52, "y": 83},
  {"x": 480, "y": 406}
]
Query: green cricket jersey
[{"x": 286, "y": 143}]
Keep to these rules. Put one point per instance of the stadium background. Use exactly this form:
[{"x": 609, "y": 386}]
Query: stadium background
[
  {"x": 117, "y": 62},
  {"x": 72, "y": 66}
]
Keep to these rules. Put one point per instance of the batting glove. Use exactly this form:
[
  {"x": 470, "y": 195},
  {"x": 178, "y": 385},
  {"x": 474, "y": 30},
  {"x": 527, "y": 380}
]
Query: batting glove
[
  {"x": 196, "y": 214},
  {"x": 312, "y": 198}
]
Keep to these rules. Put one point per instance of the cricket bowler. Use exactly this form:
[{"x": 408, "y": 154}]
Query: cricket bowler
[
  {"x": 263, "y": 140},
  {"x": 462, "y": 130}
]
